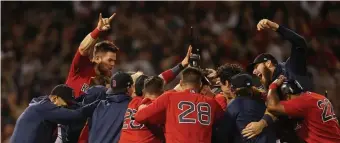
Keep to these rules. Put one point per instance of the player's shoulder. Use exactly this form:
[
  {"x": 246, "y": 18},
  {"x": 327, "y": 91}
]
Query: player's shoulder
[
  {"x": 135, "y": 102},
  {"x": 312, "y": 96}
]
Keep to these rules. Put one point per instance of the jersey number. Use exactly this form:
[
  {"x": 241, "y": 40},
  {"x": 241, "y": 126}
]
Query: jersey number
[
  {"x": 327, "y": 110},
  {"x": 203, "y": 112},
  {"x": 129, "y": 123}
]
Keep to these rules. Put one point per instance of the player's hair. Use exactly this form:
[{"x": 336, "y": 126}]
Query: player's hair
[
  {"x": 226, "y": 71},
  {"x": 192, "y": 75},
  {"x": 154, "y": 85},
  {"x": 104, "y": 47}
]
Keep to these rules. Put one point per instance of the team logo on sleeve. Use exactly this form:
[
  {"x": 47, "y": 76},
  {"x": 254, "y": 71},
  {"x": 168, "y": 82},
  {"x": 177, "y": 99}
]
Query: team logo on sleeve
[
  {"x": 327, "y": 110},
  {"x": 84, "y": 87}
]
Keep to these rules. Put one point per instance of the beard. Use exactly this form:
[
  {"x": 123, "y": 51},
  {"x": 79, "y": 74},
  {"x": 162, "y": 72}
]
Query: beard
[
  {"x": 101, "y": 70},
  {"x": 266, "y": 78}
]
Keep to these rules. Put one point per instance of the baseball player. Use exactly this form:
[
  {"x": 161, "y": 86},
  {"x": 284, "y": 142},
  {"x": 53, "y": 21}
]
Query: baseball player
[
  {"x": 266, "y": 67},
  {"x": 247, "y": 106},
  {"x": 38, "y": 123},
  {"x": 108, "y": 117},
  {"x": 319, "y": 122},
  {"x": 189, "y": 116},
  {"x": 133, "y": 131}
]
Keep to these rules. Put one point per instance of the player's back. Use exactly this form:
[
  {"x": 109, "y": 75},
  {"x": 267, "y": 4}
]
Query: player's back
[
  {"x": 320, "y": 124},
  {"x": 190, "y": 116}
]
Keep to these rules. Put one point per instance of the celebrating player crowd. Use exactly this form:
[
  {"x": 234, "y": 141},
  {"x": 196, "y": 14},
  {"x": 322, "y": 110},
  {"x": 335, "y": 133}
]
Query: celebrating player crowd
[{"x": 207, "y": 105}]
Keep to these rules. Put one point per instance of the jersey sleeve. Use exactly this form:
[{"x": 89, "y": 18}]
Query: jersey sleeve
[
  {"x": 296, "y": 107},
  {"x": 79, "y": 62},
  {"x": 298, "y": 56},
  {"x": 154, "y": 110}
]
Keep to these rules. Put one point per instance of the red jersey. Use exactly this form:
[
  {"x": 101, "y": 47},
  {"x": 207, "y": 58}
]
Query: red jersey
[
  {"x": 133, "y": 132},
  {"x": 320, "y": 124},
  {"x": 79, "y": 76},
  {"x": 189, "y": 116},
  {"x": 220, "y": 99}
]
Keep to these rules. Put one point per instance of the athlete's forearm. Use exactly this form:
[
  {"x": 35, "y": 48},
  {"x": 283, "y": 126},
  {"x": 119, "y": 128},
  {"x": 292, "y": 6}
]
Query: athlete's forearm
[
  {"x": 268, "y": 119},
  {"x": 272, "y": 97},
  {"x": 171, "y": 74},
  {"x": 87, "y": 45},
  {"x": 273, "y": 101}
]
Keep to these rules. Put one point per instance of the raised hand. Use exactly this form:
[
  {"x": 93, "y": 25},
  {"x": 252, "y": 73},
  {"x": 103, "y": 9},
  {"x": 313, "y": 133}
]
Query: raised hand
[
  {"x": 267, "y": 24},
  {"x": 104, "y": 23},
  {"x": 185, "y": 61}
]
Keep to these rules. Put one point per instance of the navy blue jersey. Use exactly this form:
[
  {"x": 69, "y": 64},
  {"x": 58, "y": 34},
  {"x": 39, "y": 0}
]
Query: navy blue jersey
[
  {"x": 38, "y": 123},
  {"x": 295, "y": 68},
  {"x": 240, "y": 112},
  {"x": 107, "y": 119}
]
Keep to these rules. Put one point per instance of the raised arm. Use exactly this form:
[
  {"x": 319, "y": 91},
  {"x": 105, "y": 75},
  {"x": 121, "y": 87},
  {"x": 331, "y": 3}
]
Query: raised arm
[
  {"x": 154, "y": 110},
  {"x": 297, "y": 61},
  {"x": 171, "y": 74}
]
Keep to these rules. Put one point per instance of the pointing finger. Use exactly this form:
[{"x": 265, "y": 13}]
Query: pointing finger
[
  {"x": 100, "y": 16},
  {"x": 113, "y": 15}
]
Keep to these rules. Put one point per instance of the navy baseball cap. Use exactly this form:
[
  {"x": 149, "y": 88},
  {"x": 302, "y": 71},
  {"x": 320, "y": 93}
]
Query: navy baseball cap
[
  {"x": 119, "y": 82},
  {"x": 260, "y": 59},
  {"x": 241, "y": 80},
  {"x": 64, "y": 92}
]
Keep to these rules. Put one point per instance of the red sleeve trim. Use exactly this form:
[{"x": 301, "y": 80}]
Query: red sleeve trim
[
  {"x": 167, "y": 75},
  {"x": 95, "y": 33}
]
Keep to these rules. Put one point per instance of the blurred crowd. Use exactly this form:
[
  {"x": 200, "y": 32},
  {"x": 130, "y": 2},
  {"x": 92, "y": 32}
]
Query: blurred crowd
[{"x": 39, "y": 40}]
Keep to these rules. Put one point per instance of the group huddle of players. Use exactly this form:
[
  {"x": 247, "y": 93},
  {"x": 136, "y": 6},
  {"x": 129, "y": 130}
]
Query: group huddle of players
[{"x": 134, "y": 108}]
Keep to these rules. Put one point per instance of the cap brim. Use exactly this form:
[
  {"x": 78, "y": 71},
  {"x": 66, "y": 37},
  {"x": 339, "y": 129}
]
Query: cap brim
[{"x": 250, "y": 68}]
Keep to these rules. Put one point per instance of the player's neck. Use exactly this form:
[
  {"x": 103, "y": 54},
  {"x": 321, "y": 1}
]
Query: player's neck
[
  {"x": 151, "y": 96},
  {"x": 190, "y": 87}
]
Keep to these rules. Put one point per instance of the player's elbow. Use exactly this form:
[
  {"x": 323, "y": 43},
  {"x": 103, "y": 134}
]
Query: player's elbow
[
  {"x": 83, "y": 51},
  {"x": 301, "y": 42},
  {"x": 272, "y": 108}
]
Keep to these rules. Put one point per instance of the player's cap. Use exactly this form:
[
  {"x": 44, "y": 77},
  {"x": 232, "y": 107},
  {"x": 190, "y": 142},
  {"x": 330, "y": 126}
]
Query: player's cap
[
  {"x": 241, "y": 80},
  {"x": 64, "y": 92},
  {"x": 260, "y": 59},
  {"x": 139, "y": 85},
  {"x": 120, "y": 81}
]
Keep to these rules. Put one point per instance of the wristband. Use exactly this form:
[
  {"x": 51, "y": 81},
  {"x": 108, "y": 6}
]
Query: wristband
[
  {"x": 95, "y": 33},
  {"x": 180, "y": 66},
  {"x": 273, "y": 86},
  {"x": 177, "y": 69},
  {"x": 268, "y": 119}
]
